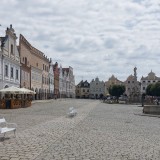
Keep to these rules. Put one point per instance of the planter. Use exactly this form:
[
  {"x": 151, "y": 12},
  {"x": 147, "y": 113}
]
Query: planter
[{"x": 152, "y": 109}]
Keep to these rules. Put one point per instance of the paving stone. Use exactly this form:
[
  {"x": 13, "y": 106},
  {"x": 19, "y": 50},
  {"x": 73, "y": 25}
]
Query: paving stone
[{"x": 99, "y": 131}]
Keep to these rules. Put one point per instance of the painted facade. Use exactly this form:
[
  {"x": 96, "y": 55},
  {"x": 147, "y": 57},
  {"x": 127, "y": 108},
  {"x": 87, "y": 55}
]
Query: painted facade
[
  {"x": 34, "y": 69},
  {"x": 56, "y": 80},
  {"x": 111, "y": 81},
  {"x": 66, "y": 82},
  {"x": 82, "y": 89},
  {"x": 97, "y": 88},
  {"x": 70, "y": 82},
  {"x": 62, "y": 82},
  {"x": 9, "y": 60},
  {"x": 25, "y": 59},
  {"x": 150, "y": 79},
  {"x": 51, "y": 80}
]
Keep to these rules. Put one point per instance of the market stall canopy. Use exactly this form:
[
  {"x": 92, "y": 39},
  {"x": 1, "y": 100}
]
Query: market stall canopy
[
  {"x": 11, "y": 90},
  {"x": 27, "y": 91}
]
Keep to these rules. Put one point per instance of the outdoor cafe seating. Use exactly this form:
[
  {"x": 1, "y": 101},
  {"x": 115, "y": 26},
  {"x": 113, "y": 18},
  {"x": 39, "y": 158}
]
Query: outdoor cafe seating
[{"x": 14, "y": 97}]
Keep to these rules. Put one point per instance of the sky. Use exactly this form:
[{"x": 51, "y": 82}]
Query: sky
[{"x": 98, "y": 38}]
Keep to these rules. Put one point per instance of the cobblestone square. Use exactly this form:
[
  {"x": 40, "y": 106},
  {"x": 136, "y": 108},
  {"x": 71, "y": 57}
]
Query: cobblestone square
[{"x": 98, "y": 132}]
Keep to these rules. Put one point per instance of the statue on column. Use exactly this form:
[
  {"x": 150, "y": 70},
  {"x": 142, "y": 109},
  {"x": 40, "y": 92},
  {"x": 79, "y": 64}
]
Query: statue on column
[{"x": 135, "y": 73}]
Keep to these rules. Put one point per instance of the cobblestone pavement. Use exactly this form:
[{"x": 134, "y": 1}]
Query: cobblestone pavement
[{"x": 98, "y": 132}]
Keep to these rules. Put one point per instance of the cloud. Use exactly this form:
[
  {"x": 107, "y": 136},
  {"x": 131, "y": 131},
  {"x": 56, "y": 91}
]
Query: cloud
[{"x": 96, "y": 38}]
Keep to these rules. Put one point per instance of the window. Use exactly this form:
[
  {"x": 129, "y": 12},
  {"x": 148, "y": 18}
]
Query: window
[
  {"x": 128, "y": 81},
  {"x": 11, "y": 48},
  {"x": 144, "y": 81},
  {"x": 17, "y": 74},
  {"x": 11, "y": 72},
  {"x": 6, "y": 70},
  {"x": 144, "y": 88},
  {"x": 132, "y": 81},
  {"x": 25, "y": 61},
  {"x": 83, "y": 90},
  {"x": 43, "y": 66},
  {"x": 37, "y": 64},
  {"x": 148, "y": 81}
]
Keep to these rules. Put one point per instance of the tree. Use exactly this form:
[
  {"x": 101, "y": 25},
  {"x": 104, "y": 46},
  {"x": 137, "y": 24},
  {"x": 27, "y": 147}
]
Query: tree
[
  {"x": 149, "y": 90},
  {"x": 156, "y": 89},
  {"x": 153, "y": 89},
  {"x": 116, "y": 90}
]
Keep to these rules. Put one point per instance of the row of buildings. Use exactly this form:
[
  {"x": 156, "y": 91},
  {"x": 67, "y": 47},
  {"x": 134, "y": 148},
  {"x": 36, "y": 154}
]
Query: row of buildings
[
  {"x": 26, "y": 66},
  {"x": 134, "y": 88}
]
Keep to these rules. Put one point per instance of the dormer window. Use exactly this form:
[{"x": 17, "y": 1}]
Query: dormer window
[{"x": 11, "y": 48}]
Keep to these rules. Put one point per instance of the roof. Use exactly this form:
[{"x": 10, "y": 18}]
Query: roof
[
  {"x": 151, "y": 76},
  {"x": 3, "y": 40},
  {"x": 84, "y": 84}
]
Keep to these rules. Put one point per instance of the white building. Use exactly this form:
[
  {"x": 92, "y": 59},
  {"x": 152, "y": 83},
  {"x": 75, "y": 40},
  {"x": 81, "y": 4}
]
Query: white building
[
  {"x": 9, "y": 60},
  {"x": 145, "y": 81},
  {"x": 97, "y": 88},
  {"x": 51, "y": 80},
  {"x": 62, "y": 83},
  {"x": 66, "y": 82}
]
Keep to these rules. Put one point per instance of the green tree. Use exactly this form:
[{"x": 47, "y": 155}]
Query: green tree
[
  {"x": 116, "y": 90},
  {"x": 149, "y": 90},
  {"x": 153, "y": 89},
  {"x": 157, "y": 89}
]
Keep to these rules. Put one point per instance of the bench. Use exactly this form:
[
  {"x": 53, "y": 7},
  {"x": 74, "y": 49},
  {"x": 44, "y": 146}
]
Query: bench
[
  {"x": 72, "y": 112},
  {"x": 7, "y": 127}
]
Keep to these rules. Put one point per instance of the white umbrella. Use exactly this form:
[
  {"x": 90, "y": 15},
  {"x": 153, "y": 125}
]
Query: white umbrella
[
  {"x": 11, "y": 90},
  {"x": 27, "y": 91}
]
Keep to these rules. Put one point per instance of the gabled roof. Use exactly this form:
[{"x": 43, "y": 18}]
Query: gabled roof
[{"x": 83, "y": 84}]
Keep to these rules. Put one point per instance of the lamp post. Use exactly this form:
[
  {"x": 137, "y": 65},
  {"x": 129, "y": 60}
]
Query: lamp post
[{"x": 143, "y": 96}]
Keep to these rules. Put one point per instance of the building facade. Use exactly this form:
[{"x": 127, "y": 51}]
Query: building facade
[
  {"x": 62, "y": 83},
  {"x": 82, "y": 89},
  {"x": 70, "y": 81},
  {"x": 35, "y": 69},
  {"x": 150, "y": 79},
  {"x": 51, "y": 80},
  {"x": 111, "y": 81},
  {"x": 66, "y": 82},
  {"x": 9, "y": 60},
  {"x": 56, "y": 80},
  {"x": 97, "y": 88},
  {"x": 25, "y": 59}
]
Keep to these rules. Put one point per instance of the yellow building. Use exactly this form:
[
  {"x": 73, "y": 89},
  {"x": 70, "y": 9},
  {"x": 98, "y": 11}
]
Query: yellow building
[{"x": 112, "y": 81}]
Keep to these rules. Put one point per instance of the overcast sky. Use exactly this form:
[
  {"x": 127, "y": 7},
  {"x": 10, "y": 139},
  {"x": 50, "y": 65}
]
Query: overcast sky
[{"x": 95, "y": 37}]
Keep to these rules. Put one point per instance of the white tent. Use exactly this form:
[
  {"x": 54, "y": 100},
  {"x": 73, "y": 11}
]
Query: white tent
[
  {"x": 27, "y": 91},
  {"x": 16, "y": 90},
  {"x": 11, "y": 90}
]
